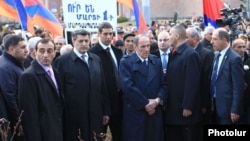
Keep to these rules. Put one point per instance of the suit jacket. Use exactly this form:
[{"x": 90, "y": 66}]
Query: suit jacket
[
  {"x": 139, "y": 85},
  {"x": 42, "y": 104},
  {"x": 207, "y": 57},
  {"x": 85, "y": 93},
  {"x": 229, "y": 86},
  {"x": 183, "y": 79},
  {"x": 115, "y": 94}
]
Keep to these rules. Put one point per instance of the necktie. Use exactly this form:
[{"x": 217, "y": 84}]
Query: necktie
[
  {"x": 84, "y": 58},
  {"x": 214, "y": 75},
  {"x": 110, "y": 55},
  {"x": 173, "y": 52},
  {"x": 114, "y": 67},
  {"x": 164, "y": 60},
  {"x": 52, "y": 76},
  {"x": 145, "y": 63}
]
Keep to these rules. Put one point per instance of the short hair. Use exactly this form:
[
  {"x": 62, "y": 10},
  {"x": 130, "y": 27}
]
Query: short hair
[
  {"x": 59, "y": 38},
  {"x": 65, "y": 49},
  {"x": 138, "y": 37},
  {"x": 236, "y": 42},
  {"x": 208, "y": 29},
  {"x": 32, "y": 42},
  {"x": 194, "y": 33},
  {"x": 179, "y": 29},
  {"x": 3, "y": 34},
  {"x": 11, "y": 40},
  {"x": 45, "y": 41},
  {"x": 104, "y": 25},
  {"x": 80, "y": 32},
  {"x": 222, "y": 33}
]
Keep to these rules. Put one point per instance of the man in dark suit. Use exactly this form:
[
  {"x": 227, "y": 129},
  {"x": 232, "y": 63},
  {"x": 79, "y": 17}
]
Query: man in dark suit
[
  {"x": 110, "y": 59},
  {"x": 40, "y": 97},
  {"x": 206, "y": 58},
  {"x": 163, "y": 50},
  {"x": 86, "y": 98},
  {"x": 183, "y": 106},
  {"x": 11, "y": 67},
  {"x": 227, "y": 80},
  {"x": 144, "y": 86}
]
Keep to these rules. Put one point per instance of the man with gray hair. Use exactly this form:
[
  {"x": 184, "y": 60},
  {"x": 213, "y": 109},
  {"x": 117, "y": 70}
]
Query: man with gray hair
[
  {"x": 208, "y": 31},
  {"x": 31, "y": 47},
  {"x": 66, "y": 49},
  {"x": 206, "y": 57},
  {"x": 59, "y": 42}
]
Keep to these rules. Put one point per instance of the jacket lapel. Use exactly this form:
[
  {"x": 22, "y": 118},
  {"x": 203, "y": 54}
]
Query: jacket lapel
[{"x": 223, "y": 62}]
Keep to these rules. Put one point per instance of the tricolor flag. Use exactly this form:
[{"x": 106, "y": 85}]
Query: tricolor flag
[
  {"x": 31, "y": 12},
  {"x": 140, "y": 21},
  {"x": 211, "y": 9},
  {"x": 42, "y": 17}
]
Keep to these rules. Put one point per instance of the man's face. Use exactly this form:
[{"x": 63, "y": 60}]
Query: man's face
[
  {"x": 162, "y": 28},
  {"x": 143, "y": 48},
  {"x": 82, "y": 43},
  {"x": 172, "y": 38},
  {"x": 59, "y": 43},
  {"x": 20, "y": 51},
  {"x": 208, "y": 35},
  {"x": 218, "y": 43},
  {"x": 106, "y": 36},
  {"x": 240, "y": 47},
  {"x": 129, "y": 43},
  {"x": 45, "y": 53},
  {"x": 190, "y": 40},
  {"x": 163, "y": 43}
]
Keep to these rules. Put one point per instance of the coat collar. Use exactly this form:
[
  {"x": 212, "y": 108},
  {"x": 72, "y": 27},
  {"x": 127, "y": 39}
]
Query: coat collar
[{"x": 150, "y": 74}]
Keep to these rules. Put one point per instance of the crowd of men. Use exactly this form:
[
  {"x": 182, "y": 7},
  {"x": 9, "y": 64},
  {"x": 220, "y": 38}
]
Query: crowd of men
[{"x": 164, "y": 85}]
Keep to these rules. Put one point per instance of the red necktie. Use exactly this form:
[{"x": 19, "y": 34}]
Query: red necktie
[{"x": 173, "y": 51}]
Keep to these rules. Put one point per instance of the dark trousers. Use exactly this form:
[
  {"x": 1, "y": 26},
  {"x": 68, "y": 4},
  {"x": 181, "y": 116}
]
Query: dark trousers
[{"x": 183, "y": 133}]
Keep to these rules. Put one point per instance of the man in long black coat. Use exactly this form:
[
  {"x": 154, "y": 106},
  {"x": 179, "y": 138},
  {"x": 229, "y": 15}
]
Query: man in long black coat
[
  {"x": 40, "y": 97},
  {"x": 110, "y": 59},
  {"x": 183, "y": 106},
  {"x": 85, "y": 93}
]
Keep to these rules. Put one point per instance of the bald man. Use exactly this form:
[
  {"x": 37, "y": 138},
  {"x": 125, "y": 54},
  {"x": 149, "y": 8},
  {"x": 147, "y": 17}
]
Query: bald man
[{"x": 239, "y": 46}]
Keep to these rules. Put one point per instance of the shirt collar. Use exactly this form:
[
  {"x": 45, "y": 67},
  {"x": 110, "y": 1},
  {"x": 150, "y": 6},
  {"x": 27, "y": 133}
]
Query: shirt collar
[
  {"x": 46, "y": 68},
  {"x": 141, "y": 58},
  {"x": 223, "y": 52},
  {"x": 161, "y": 52},
  {"x": 79, "y": 54},
  {"x": 104, "y": 46}
]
